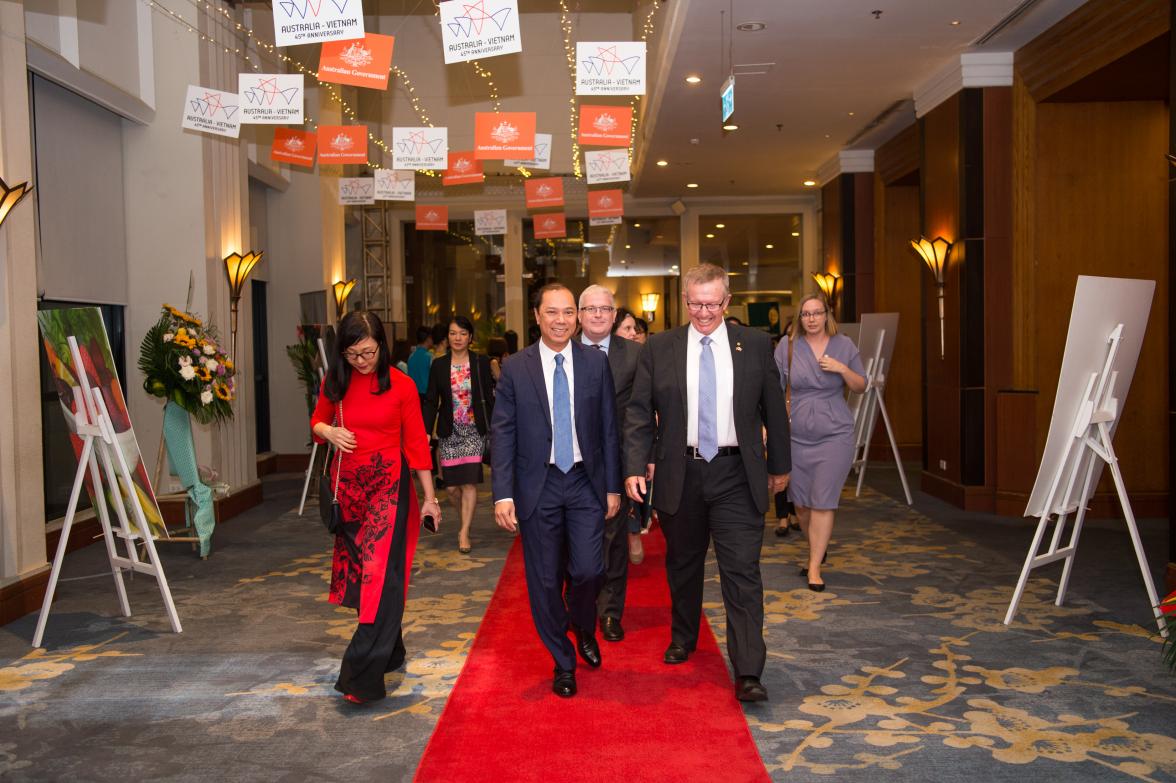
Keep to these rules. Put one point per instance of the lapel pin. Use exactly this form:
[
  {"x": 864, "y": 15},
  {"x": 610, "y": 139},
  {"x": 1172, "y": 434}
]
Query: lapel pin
[{"x": 738, "y": 346}]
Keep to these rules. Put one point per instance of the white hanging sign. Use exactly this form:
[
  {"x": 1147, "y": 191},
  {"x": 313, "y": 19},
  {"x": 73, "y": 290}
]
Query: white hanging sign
[
  {"x": 420, "y": 148},
  {"x": 474, "y": 29},
  {"x": 542, "y": 159},
  {"x": 212, "y": 111},
  {"x": 395, "y": 185},
  {"x": 315, "y": 21},
  {"x": 270, "y": 98},
  {"x": 610, "y": 68},
  {"x": 605, "y": 221},
  {"x": 488, "y": 222},
  {"x": 357, "y": 190},
  {"x": 610, "y": 165}
]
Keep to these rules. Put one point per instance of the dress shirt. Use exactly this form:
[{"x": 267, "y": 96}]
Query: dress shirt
[
  {"x": 603, "y": 343},
  {"x": 724, "y": 385},
  {"x": 547, "y": 356}
]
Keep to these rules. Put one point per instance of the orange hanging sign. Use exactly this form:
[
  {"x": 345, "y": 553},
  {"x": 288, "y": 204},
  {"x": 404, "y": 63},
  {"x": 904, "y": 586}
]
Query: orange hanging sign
[
  {"x": 463, "y": 169},
  {"x": 342, "y": 144},
  {"x": 362, "y": 63},
  {"x": 293, "y": 146},
  {"x": 545, "y": 192},
  {"x": 551, "y": 225},
  {"x": 502, "y": 135},
  {"x": 432, "y": 217},
  {"x": 605, "y": 126},
  {"x": 606, "y": 203}
]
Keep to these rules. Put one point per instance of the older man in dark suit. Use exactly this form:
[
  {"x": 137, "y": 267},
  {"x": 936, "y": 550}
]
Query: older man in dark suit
[
  {"x": 555, "y": 453},
  {"x": 597, "y": 314},
  {"x": 714, "y": 389}
]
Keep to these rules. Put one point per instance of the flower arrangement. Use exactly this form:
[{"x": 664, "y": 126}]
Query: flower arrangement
[{"x": 182, "y": 361}]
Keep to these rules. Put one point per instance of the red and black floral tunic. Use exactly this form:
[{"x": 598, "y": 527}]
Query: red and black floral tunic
[{"x": 386, "y": 426}]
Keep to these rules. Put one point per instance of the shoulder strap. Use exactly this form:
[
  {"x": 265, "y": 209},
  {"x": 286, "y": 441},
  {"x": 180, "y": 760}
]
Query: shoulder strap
[
  {"x": 788, "y": 383},
  {"x": 339, "y": 453}
]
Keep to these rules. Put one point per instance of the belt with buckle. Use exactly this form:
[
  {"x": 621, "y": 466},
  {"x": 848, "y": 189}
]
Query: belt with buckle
[{"x": 724, "y": 451}]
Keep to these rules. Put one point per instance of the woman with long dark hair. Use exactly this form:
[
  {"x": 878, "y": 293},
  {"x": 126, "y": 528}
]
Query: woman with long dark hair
[
  {"x": 371, "y": 414},
  {"x": 458, "y": 403}
]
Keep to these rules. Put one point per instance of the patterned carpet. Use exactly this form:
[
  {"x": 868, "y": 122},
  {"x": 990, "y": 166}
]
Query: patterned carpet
[{"x": 902, "y": 668}]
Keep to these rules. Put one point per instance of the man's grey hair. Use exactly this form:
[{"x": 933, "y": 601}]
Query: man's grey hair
[
  {"x": 596, "y": 289},
  {"x": 705, "y": 273}
]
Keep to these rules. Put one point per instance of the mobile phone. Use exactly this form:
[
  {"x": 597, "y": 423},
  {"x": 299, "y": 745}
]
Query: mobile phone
[{"x": 429, "y": 523}]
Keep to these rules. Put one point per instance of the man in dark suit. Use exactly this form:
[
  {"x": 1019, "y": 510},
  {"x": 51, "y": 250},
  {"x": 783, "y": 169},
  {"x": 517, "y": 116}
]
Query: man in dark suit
[
  {"x": 555, "y": 454},
  {"x": 714, "y": 389},
  {"x": 597, "y": 314}
]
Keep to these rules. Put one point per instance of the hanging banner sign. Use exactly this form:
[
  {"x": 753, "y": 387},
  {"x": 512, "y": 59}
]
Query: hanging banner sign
[
  {"x": 270, "y": 98},
  {"x": 464, "y": 169},
  {"x": 364, "y": 63},
  {"x": 432, "y": 217},
  {"x": 542, "y": 158},
  {"x": 342, "y": 144},
  {"x": 606, "y": 203},
  {"x": 420, "y": 148},
  {"x": 727, "y": 97},
  {"x": 357, "y": 190},
  {"x": 610, "y": 68},
  {"x": 315, "y": 21},
  {"x": 551, "y": 226},
  {"x": 212, "y": 111},
  {"x": 547, "y": 192},
  {"x": 489, "y": 222},
  {"x": 293, "y": 146},
  {"x": 473, "y": 29},
  {"x": 501, "y": 135},
  {"x": 604, "y": 166},
  {"x": 395, "y": 185},
  {"x": 605, "y": 126}
]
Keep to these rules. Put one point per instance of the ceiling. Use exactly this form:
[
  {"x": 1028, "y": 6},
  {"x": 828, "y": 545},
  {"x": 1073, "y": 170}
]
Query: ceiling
[{"x": 827, "y": 69}]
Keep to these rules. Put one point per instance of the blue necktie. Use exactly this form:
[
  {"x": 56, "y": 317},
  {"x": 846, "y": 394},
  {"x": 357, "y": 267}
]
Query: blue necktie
[
  {"x": 562, "y": 417},
  {"x": 708, "y": 431}
]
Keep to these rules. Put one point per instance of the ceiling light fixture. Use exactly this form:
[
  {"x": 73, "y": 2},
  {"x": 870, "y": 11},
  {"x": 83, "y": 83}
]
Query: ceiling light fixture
[
  {"x": 710, "y": 236},
  {"x": 730, "y": 126},
  {"x": 720, "y": 225},
  {"x": 808, "y": 183},
  {"x": 769, "y": 246},
  {"x": 795, "y": 233},
  {"x": 636, "y": 225},
  {"x": 691, "y": 184},
  {"x": 750, "y": 27},
  {"x": 663, "y": 163},
  {"x": 955, "y": 22},
  {"x": 693, "y": 79}
]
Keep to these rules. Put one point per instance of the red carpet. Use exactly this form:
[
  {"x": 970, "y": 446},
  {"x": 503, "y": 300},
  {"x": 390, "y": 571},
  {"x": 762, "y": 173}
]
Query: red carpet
[{"x": 634, "y": 719}]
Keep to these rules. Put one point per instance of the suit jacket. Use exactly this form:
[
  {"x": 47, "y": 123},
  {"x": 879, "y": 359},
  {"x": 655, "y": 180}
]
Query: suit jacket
[
  {"x": 438, "y": 408},
  {"x": 660, "y": 388},
  {"x": 521, "y": 429}
]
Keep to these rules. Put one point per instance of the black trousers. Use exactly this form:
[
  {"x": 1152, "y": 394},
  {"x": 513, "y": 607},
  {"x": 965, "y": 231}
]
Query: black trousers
[
  {"x": 611, "y": 601},
  {"x": 717, "y": 506},
  {"x": 564, "y": 535},
  {"x": 378, "y": 647}
]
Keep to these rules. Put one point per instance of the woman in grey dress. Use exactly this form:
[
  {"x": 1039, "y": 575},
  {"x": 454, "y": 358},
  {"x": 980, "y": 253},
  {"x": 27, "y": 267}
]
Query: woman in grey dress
[{"x": 822, "y": 364}]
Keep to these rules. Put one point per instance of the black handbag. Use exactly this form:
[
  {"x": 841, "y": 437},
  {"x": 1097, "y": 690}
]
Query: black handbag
[
  {"x": 330, "y": 511},
  {"x": 484, "y": 390}
]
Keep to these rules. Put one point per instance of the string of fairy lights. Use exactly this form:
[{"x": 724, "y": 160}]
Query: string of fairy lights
[{"x": 247, "y": 43}]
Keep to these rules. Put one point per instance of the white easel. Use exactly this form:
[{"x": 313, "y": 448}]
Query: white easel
[
  {"x": 1089, "y": 441},
  {"x": 314, "y": 443},
  {"x": 866, "y": 417},
  {"x": 99, "y": 443}
]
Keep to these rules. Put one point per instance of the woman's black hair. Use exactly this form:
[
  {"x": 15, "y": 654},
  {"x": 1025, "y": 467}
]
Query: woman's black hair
[
  {"x": 496, "y": 348},
  {"x": 462, "y": 323},
  {"x": 354, "y": 327},
  {"x": 512, "y": 340},
  {"x": 641, "y": 325},
  {"x": 622, "y": 314}
]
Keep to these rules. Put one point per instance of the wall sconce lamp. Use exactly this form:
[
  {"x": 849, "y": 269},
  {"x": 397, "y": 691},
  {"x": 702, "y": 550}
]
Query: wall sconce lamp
[
  {"x": 237, "y": 269},
  {"x": 342, "y": 291},
  {"x": 649, "y": 306},
  {"x": 11, "y": 197},
  {"x": 935, "y": 253},
  {"x": 830, "y": 285}
]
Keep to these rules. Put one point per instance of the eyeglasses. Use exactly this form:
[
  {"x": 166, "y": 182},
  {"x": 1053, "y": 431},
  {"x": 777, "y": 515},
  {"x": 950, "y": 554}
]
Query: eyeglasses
[
  {"x": 710, "y": 307},
  {"x": 602, "y": 309},
  {"x": 813, "y": 313},
  {"x": 355, "y": 356}
]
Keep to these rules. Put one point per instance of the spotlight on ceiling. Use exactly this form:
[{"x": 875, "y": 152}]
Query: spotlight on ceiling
[
  {"x": 730, "y": 126},
  {"x": 663, "y": 163},
  {"x": 691, "y": 184},
  {"x": 693, "y": 79},
  {"x": 750, "y": 27},
  {"x": 808, "y": 183}
]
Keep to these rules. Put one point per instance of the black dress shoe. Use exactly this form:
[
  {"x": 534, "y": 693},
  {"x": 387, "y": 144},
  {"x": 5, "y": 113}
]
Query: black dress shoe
[
  {"x": 611, "y": 630},
  {"x": 750, "y": 689},
  {"x": 564, "y": 684},
  {"x": 817, "y": 587},
  {"x": 676, "y": 653},
  {"x": 587, "y": 647},
  {"x": 781, "y": 531},
  {"x": 824, "y": 557}
]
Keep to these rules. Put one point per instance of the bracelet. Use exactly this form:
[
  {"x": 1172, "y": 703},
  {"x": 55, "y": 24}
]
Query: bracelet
[{"x": 428, "y": 500}]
